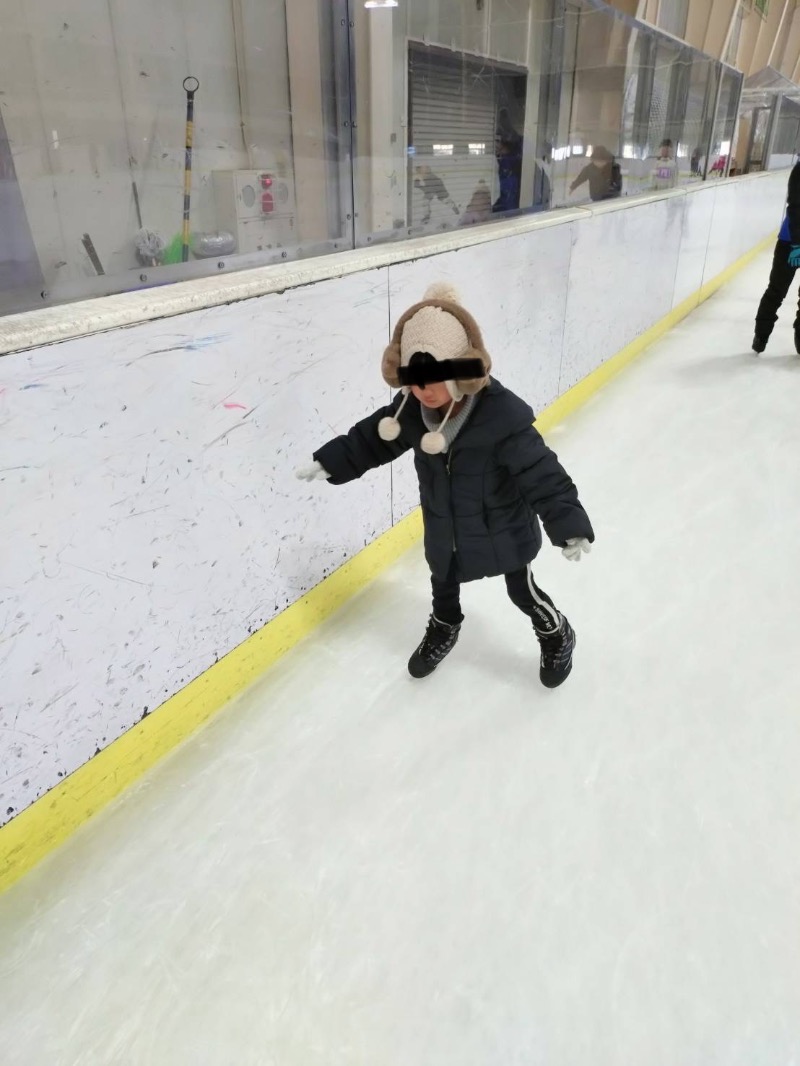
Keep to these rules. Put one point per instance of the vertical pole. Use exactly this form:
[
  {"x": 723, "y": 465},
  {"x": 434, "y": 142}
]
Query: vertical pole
[
  {"x": 712, "y": 129},
  {"x": 751, "y": 138},
  {"x": 733, "y": 110},
  {"x": 548, "y": 69},
  {"x": 772, "y": 132},
  {"x": 356, "y": 182},
  {"x": 709, "y": 102},
  {"x": 190, "y": 85},
  {"x": 338, "y": 90},
  {"x": 643, "y": 101}
]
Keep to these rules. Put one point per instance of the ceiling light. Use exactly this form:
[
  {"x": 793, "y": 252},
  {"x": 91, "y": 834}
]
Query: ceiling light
[{"x": 380, "y": 3}]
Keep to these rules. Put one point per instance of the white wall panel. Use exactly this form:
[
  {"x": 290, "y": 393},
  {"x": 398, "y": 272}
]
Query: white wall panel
[
  {"x": 156, "y": 520},
  {"x": 723, "y": 238},
  {"x": 698, "y": 213},
  {"x": 621, "y": 281},
  {"x": 759, "y": 209}
]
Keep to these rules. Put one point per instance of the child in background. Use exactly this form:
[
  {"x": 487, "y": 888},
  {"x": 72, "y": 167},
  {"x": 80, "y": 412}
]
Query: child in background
[
  {"x": 603, "y": 174},
  {"x": 484, "y": 475},
  {"x": 665, "y": 175}
]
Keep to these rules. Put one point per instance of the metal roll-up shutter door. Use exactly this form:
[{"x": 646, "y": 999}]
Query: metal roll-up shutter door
[{"x": 453, "y": 108}]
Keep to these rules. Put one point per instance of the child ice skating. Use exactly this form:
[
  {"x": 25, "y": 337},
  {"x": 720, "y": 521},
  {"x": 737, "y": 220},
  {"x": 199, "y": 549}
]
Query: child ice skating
[{"x": 485, "y": 474}]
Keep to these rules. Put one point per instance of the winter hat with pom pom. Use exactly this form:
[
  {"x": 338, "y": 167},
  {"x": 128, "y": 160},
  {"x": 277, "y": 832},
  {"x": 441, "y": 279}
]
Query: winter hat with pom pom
[{"x": 439, "y": 326}]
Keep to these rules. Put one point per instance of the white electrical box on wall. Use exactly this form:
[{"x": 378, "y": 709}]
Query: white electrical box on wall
[{"x": 257, "y": 206}]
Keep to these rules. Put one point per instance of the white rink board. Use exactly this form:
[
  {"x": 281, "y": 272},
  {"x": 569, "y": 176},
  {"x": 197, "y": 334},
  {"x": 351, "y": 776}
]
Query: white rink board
[
  {"x": 621, "y": 279},
  {"x": 152, "y": 527},
  {"x": 760, "y": 208},
  {"x": 698, "y": 214},
  {"x": 723, "y": 238}
]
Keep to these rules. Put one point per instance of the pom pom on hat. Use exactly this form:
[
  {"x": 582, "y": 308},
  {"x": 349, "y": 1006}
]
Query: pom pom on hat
[
  {"x": 442, "y": 290},
  {"x": 433, "y": 443},
  {"x": 388, "y": 429}
]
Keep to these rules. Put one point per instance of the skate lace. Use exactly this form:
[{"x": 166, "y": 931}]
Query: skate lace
[
  {"x": 436, "y": 640},
  {"x": 555, "y": 649}
]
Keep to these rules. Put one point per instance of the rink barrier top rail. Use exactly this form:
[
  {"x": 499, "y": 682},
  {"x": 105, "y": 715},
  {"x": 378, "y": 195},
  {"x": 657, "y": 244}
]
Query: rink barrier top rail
[{"x": 32, "y": 329}]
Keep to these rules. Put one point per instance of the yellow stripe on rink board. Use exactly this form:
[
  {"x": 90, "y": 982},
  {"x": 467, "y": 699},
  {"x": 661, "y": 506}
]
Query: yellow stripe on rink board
[{"x": 50, "y": 820}]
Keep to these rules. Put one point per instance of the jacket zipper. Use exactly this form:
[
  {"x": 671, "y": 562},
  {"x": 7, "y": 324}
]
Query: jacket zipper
[{"x": 452, "y": 512}]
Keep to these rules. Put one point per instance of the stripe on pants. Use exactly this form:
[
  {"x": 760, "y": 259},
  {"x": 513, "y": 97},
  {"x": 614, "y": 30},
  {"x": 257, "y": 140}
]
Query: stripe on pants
[{"x": 544, "y": 612}]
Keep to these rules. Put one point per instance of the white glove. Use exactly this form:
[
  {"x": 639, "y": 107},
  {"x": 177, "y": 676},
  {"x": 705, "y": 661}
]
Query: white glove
[
  {"x": 575, "y": 548},
  {"x": 313, "y": 472}
]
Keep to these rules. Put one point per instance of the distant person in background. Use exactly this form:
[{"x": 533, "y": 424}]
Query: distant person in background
[
  {"x": 509, "y": 173},
  {"x": 479, "y": 208},
  {"x": 508, "y": 152},
  {"x": 785, "y": 262},
  {"x": 603, "y": 175},
  {"x": 665, "y": 175},
  {"x": 432, "y": 188},
  {"x": 694, "y": 163}
]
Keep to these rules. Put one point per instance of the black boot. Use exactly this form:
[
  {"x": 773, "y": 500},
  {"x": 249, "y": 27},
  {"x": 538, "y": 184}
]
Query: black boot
[
  {"x": 439, "y": 640},
  {"x": 556, "y": 661},
  {"x": 760, "y": 343},
  {"x": 797, "y": 339}
]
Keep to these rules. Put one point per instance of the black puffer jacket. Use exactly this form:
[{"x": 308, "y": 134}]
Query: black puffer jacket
[{"x": 482, "y": 497}]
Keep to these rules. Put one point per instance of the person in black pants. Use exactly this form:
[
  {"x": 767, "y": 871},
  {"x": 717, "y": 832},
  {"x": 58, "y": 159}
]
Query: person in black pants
[
  {"x": 486, "y": 477},
  {"x": 785, "y": 262}
]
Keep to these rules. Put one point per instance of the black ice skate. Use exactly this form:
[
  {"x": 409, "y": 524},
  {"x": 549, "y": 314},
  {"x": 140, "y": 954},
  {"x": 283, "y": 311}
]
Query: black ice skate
[
  {"x": 439, "y": 640},
  {"x": 759, "y": 344},
  {"x": 797, "y": 339},
  {"x": 556, "y": 661}
]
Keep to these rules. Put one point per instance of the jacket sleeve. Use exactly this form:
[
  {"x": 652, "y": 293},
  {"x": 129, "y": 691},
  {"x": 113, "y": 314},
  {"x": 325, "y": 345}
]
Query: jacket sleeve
[
  {"x": 582, "y": 177},
  {"x": 361, "y": 449},
  {"x": 793, "y": 204},
  {"x": 546, "y": 486}
]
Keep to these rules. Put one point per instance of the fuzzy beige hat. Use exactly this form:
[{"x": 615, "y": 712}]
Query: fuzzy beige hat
[{"x": 440, "y": 326}]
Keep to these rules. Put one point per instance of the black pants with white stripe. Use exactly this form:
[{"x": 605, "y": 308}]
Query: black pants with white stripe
[{"x": 522, "y": 591}]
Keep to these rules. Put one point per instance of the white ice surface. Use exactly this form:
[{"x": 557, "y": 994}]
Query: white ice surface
[{"x": 349, "y": 868}]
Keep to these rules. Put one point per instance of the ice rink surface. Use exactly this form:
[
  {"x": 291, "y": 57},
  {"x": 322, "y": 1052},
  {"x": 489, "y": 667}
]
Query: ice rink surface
[{"x": 350, "y": 868}]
